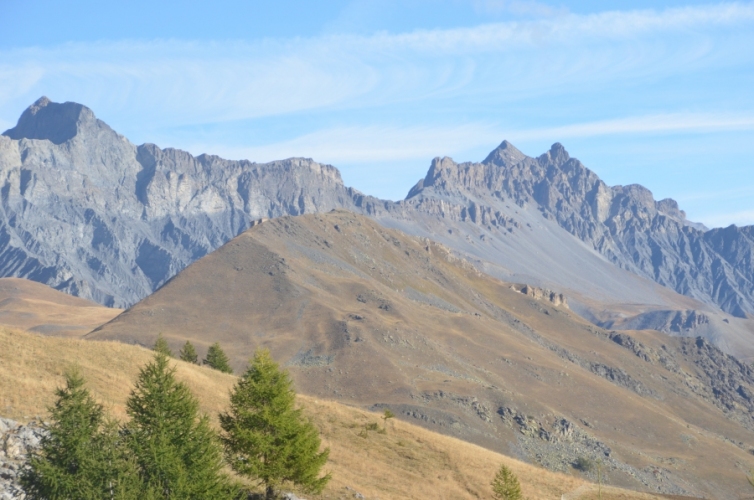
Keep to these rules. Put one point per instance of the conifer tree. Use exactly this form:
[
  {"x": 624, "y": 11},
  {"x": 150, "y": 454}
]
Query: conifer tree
[
  {"x": 188, "y": 353},
  {"x": 81, "y": 455},
  {"x": 177, "y": 452},
  {"x": 217, "y": 359},
  {"x": 266, "y": 438},
  {"x": 505, "y": 486},
  {"x": 161, "y": 346}
]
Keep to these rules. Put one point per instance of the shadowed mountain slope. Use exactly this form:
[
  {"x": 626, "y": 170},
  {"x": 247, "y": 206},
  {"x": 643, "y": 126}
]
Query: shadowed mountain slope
[{"x": 375, "y": 318}]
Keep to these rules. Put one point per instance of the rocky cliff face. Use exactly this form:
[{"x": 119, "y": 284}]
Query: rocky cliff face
[
  {"x": 650, "y": 238},
  {"x": 84, "y": 210}
]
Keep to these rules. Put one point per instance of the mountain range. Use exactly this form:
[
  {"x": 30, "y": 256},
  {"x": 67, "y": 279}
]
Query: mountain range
[
  {"x": 89, "y": 213},
  {"x": 518, "y": 303}
]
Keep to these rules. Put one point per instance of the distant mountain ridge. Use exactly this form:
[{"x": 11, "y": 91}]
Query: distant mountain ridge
[
  {"x": 84, "y": 210},
  {"x": 624, "y": 223},
  {"x": 89, "y": 213}
]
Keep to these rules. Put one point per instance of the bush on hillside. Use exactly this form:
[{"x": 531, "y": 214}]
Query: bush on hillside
[
  {"x": 217, "y": 359},
  {"x": 584, "y": 464},
  {"x": 266, "y": 438}
]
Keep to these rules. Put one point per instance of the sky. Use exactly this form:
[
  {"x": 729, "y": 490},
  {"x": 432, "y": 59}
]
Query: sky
[{"x": 655, "y": 93}]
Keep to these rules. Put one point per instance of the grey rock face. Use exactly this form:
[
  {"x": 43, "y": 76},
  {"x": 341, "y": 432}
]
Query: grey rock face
[
  {"x": 650, "y": 238},
  {"x": 87, "y": 212}
]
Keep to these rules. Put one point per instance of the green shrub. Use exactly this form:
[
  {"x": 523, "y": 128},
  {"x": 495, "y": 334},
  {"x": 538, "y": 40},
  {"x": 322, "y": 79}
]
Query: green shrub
[{"x": 584, "y": 464}]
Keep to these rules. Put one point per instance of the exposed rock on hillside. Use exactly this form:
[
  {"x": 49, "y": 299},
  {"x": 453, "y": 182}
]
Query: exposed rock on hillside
[
  {"x": 557, "y": 299},
  {"x": 16, "y": 440}
]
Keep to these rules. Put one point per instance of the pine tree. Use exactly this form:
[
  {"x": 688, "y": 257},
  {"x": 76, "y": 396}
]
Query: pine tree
[
  {"x": 217, "y": 359},
  {"x": 188, "y": 353},
  {"x": 161, "y": 346},
  {"x": 177, "y": 452},
  {"x": 505, "y": 485},
  {"x": 81, "y": 455},
  {"x": 265, "y": 437}
]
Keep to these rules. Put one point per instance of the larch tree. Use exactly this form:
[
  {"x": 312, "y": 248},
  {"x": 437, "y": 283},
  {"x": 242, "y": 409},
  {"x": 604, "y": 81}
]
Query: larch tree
[
  {"x": 505, "y": 486},
  {"x": 81, "y": 455},
  {"x": 266, "y": 437},
  {"x": 217, "y": 359},
  {"x": 161, "y": 346},
  {"x": 177, "y": 452},
  {"x": 188, "y": 353}
]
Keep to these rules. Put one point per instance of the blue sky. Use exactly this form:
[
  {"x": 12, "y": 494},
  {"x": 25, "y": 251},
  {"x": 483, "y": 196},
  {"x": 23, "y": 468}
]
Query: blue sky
[{"x": 656, "y": 93}]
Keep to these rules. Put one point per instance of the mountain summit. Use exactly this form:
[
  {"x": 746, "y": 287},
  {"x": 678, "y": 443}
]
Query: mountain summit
[{"x": 54, "y": 122}]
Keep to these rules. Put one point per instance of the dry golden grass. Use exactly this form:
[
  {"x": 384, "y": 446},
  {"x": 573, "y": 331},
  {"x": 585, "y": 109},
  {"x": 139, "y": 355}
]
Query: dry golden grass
[
  {"x": 404, "y": 462},
  {"x": 33, "y": 306}
]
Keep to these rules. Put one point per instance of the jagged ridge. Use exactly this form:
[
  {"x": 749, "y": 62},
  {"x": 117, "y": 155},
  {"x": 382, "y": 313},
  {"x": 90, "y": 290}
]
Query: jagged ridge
[{"x": 624, "y": 223}]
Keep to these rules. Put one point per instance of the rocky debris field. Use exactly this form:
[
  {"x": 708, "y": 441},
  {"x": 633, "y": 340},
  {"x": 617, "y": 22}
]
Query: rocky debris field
[{"x": 15, "y": 442}]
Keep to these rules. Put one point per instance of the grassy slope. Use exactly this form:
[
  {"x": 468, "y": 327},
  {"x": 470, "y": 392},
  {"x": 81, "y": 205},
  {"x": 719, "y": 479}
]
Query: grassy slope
[
  {"x": 34, "y": 306},
  {"x": 405, "y": 462},
  {"x": 338, "y": 299}
]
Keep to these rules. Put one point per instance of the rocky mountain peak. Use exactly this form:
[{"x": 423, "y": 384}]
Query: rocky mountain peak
[
  {"x": 52, "y": 121},
  {"x": 556, "y": 155},
  {"x": 442, "y": 173},
  {"x": 504, "y": 155}
]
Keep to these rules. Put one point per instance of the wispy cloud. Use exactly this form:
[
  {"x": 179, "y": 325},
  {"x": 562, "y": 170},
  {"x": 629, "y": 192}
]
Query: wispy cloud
[
  {"x": 370, "y": 144},
  {"x": 517, "y": 7},
  {"x": 734, "y": 193},
  {"x": 740, "y": 218},
  {"x": 363, "y": 144},
  {"x": 664, "y": 123},
  {"x": 571, "y": 29},
  {"x": 184, "y": 82}
]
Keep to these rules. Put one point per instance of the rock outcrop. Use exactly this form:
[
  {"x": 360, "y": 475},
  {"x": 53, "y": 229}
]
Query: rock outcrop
[
  {"x": 16, "y": 440},
  {"x": 557, "y": 299}
]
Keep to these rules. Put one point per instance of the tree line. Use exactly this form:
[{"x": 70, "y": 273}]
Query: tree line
[
  {"x": 216, "y": 357},
  {"x": 168, "y": 449}
]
